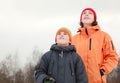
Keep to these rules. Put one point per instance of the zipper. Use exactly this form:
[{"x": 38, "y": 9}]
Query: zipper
[
  {"x": 86, "y": 31},
  {"x": 61, "y": 54},
  {"x": 90, "y": 43}
]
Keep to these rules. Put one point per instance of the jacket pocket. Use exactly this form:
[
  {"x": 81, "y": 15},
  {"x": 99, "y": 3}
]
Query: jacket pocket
[
  {"x": 72, "y": 68},
  {"x": 72, "y": 71},
  {"x": 50, "y": 69}
]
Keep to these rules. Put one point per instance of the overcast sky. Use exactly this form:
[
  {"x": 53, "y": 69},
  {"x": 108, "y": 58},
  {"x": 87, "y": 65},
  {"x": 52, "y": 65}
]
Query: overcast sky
[{"x": 29, "y": 24}]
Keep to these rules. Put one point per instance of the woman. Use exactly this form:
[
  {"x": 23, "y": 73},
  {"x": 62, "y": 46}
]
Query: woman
[
  {"x": 61, "y": 64},
  {"x": 95, "y": 47}
]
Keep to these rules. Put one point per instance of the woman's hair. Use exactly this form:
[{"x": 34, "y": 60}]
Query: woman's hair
[
  {"x": 95, "y": 17},
  {"x": 93, "y": 24}
]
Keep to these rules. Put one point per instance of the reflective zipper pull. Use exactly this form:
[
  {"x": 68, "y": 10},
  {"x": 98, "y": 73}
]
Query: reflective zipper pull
[{"x": 61, "y": 54}]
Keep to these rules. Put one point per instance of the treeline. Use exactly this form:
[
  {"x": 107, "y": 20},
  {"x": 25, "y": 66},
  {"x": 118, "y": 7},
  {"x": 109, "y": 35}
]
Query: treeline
[{"x": 10, "y": 71}]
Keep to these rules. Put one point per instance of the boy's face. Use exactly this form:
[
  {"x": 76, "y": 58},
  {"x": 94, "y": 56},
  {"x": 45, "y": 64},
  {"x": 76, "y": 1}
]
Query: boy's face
[{"x": 62, "y": 39}]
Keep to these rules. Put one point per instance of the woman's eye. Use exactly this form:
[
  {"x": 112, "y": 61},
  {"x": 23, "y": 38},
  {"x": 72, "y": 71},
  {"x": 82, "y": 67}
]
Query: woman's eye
[
  {"x": 90, "y": 12},
  {"x": 84, "y": 12}
]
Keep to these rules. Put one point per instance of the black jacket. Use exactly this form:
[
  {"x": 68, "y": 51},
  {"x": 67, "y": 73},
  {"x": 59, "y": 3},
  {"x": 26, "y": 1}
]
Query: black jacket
[{"x": 63, "y": 64}]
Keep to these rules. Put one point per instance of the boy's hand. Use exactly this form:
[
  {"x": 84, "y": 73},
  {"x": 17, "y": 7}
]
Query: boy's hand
[{"x": 49, "y": 80}]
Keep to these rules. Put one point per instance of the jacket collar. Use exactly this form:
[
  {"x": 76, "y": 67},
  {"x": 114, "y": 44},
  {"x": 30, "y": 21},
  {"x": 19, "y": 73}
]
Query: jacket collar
[
  {"x": 61, "y": 48},
  {"x": 89, "y": 30}
]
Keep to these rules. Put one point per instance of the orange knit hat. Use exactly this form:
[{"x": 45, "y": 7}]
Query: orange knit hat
[{"x": 66, "y": 30}]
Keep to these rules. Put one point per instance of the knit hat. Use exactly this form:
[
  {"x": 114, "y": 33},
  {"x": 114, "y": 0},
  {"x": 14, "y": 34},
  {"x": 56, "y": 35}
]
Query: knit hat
[
  {"x": 94, "y": 13},
  {"x": 64, "y": 29}
]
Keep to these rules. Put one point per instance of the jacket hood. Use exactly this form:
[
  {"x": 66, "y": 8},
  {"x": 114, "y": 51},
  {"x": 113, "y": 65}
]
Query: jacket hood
[
  {"x": 69, "y": 48},
  {"x": 92, "y": 27},
  {"x": 89, "y": 30}
]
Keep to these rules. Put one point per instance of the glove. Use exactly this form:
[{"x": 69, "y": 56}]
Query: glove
[
  {"x": 49, "y": 80},
  {"x": 102, "y": 72}
]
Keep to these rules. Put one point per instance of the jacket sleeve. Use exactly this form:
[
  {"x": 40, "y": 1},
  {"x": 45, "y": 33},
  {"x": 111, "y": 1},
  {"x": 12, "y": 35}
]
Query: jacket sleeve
[
  {"x": 41, "y": 69},
  {"x": 110, "y": 57},
  {"x": 81, "y": 75}
]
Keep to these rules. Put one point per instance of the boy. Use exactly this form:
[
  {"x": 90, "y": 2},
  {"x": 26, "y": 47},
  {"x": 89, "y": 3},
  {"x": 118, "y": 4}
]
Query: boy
[{"x": 61, "y": 64}]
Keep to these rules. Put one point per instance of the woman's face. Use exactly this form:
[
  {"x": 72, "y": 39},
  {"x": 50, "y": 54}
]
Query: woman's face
[
  {"x": 62, "y": 39},
  {"x": 87, "y": 17}
]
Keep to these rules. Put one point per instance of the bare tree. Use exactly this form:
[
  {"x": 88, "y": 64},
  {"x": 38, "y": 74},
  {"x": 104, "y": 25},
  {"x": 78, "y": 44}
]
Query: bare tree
[
  {"x": 10, "y": 71},
  {"x": 30, "y": 66},
  {"x": 19, "y": 76}
]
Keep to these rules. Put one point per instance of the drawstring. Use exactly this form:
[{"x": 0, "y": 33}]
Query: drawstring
[{"x": 72, "y": 68}]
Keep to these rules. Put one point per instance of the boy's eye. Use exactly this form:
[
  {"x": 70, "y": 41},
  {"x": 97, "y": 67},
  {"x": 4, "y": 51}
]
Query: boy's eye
[
  {"x": 59, "y": 33},
  {"x": 65, "y": 33},
  {"x": 62, "y": 33}
]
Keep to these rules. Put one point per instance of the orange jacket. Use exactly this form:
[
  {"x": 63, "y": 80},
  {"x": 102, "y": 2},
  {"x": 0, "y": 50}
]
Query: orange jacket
[{"x": 97, "y": 51}]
